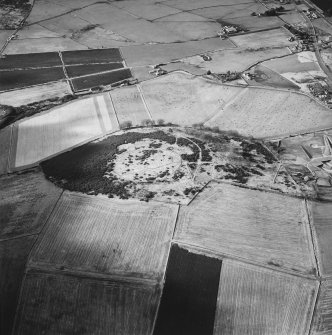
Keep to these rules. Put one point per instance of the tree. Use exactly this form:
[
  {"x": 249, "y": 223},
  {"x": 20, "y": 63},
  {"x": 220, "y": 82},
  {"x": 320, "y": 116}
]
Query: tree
[
  {"x": 6, "y": 112},
  {"x": 161, "y": 122},
  {"x": 147, "y": 123},
  {"x": 126, "y": 124}
]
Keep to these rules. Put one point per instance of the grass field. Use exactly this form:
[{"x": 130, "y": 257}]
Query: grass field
[
  {"x": 5, "y": 139},
  {"x": 33, "y": 94},
  {"x": 26, "y": 202},
  {"x": 322, "y": 324},
  {"x": 261, "y": 227},
  {"x": 13, "y": 257},
  {"x": 253, "y": 300},
  {"x": 270, "y": 113},
  {"x": 128, "y": 105},
  {"x": 264, "y": 39},
  {"x": 67, "y": 305},
  {"x": 322, "y": 218},
  {"x": 234, "y": 60},
  {"x": 62, "y": 128},
  {"x": 112, "y": 237},
  {"x": 183, "y": 99}
]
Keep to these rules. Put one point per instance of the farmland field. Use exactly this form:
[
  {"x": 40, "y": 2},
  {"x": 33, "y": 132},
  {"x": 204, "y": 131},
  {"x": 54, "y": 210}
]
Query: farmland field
[
  {"x": 60, "y": 129},
  {"x": 253, "y": 300},
  {"x": 258, "y": 226},
  {"x": 270, "y": 113},
  {"x": 183, "y": 99},
  {"x": 26, "y": 202},
  {"x": 106, "y": 78},
  {"x": 322, "y": 324},
  {"x": 264, "y": 39},
  {"x": 13, "y": 257},
  {"x": 128, "y": 105},
  {"x": 22, "y": 78},
  {"x": 188, "y": 303},
  {"x": 322, "y": 218},
  {"x": 68, "y": 305},
  {"x": 32, "y": 94},
  {"x": 21, "y": 61},
  {"x": 112, "y": 237},
  {"x": 82, "y": 70},
  {"x": 5, "y": 142}
]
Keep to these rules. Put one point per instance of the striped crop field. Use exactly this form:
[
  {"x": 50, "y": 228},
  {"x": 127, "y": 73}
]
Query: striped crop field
[
  {"x": 257, "y": 301},
  {"x": 50, "y": 133},
  {"x": 262, "y": 227},
  {"x": 185, "y": 99},
  {"x": 128, "y": 105},
  {"x": 26, "y": 201},
  {"x": 322, "y": 219},
  {"x": 113, "y": 237},
  {"x": 322, "y": 324},
  {"x": 66, "y": 305}
]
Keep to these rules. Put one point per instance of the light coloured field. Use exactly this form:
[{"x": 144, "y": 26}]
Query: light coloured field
[
  {"x": 272, "y": 113},
  {"x": 264, "y": 39},
  {"x": 67, "y": 305},
  {"x": 322, "y": 219},
  {"x": 128, "y": 105},
  {"x": 26, "y": 201},
  {"x": 196, "y": 4},
  {"x": 258, "y": 226},
  {"x": 234, "y": 60},
  {"x": 254, "y": 23},
  {"x": 35, "y": 31},
  {"x": 5, "y": 142},
  {"x": 322, "y": 324},
  {"x": 253, "y": 300},
  {"x": 323, "y": 25},
  {"x": 184, "y": 99},
  {"x": 63, "y": 128},
  {"x": 87, "y": 233},
  {"x": 35, "y": 93},
  {"x": 45, "y": 44},
  {"x": 139, "y": 55}
]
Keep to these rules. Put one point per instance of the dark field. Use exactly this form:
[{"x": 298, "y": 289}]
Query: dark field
[
  {"x": 82, "y": 70},
  {"x": 22, "y": 78},
  {"x": 25, "y": 203},
  {"x": 91, "y": 56},
  {"x": 4, "y": 149},
  {"x": 58, "y": 304},
  {"x": 100, "y": 79},
  {"x": 13, "y": 257},
  {"x": 188, "y": 303},
  {"x": 21, "y": 61}
]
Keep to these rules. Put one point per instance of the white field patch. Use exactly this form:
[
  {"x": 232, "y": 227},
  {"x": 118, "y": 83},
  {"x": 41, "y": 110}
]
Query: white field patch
[
  {"x": 253, "y": 300},
  {"x": 260, "y": 227},
  {"x": 60, "y": 129},
  {"x": 35, "y": 93},
  {"x": 185, "y": 99}
]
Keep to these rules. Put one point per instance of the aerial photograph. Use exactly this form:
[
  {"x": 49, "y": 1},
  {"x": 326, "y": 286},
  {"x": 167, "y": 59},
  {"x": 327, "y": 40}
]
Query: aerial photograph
[{"x": 165, "y": 167}]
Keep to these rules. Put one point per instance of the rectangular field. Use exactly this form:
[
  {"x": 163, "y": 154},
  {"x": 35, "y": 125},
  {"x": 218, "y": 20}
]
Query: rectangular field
[
  {"x": 57, "y": 130},
  {"x": 83, "y": 70},
  {"x": 263, "y": 39},
  {"x": 184, "y": 99},
  {"x": 26, "y": 201},
  {"x": 32, "y": 94},
  {"x": 69, "y": 305},
  {"x": 106, "y": 78},
  {"x": 128, "y": 105},
  {"x": 13, "y": 257},
  {"x": 91, "y": 56},
  {"x": 5, "y": 142},
  {"x": 126, "y": 238},
  {"x": 254, "y": 300},
  {"x": 322, "y": 324},
  {"x": 271, "y": 113},
  {"x": 260, "y": 227},
  {"x": 21, "y": 78},
  {"x": 188, "y": 303},
  {"x": 322, "y": 219},
  {"x": 22, "y": 61}
]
